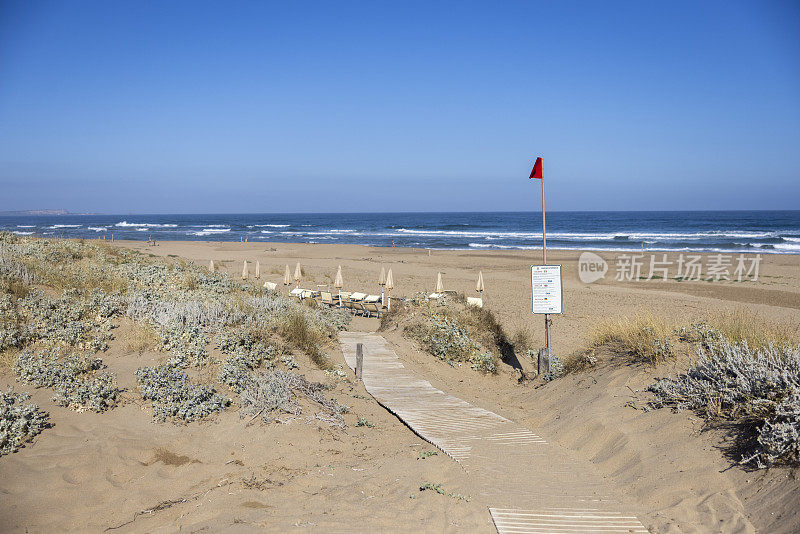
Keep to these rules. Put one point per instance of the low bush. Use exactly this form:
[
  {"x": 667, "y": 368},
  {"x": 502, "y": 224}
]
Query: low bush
[
  {"x": 10, "y": 333},
  {"x": 759, "y": 389},
  {"x": 75, "y": 319},
  {"x": 20, "y": 421},
  {"x": 281, "y": 390},
  {"x": 450, "y": 341},
  {"x": 173, "y": 395},
  {"x": 246, "y": 354},
  {"x": 522, "y": 340},
  {"x": 77, "y": 380}
]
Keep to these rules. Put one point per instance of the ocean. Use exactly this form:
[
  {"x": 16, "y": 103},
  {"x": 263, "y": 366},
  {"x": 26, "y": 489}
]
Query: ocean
[{"x": 776, "y": 232}]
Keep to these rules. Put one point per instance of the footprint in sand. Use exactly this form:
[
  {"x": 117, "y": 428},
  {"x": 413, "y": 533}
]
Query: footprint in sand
[{"x": 168, "y": 457}]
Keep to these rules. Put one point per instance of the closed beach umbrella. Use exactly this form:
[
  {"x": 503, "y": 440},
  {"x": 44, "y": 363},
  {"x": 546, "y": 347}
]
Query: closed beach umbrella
[
  {"x": 389, "y": 286},
  {"x": 244, "y": 270},
  {"x": 382, "y": 282},
  {"x": 287, "y": 277},
  {"x": 479, "y": 286},
  {"x": 298, "y": 274},
  {"x": 258, "y": 270},
  {"x": 211, "y": 266},
  {"x": 339, "y": 283},
  {"x": 439, "y": 284}
]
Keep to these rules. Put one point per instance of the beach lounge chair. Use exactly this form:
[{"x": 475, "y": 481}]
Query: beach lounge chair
[
  {"x": 475, "y": 301},
  {"x": 354, "y": 303},
  {"x": 271, "y": 285},
  {"x": 435, "y": 296},
  {"x": 327, "y": 299},
  {"x": 373, "y": 308},
  {"x": 372, "y": 304},
  {"x": 354, "y": 306}
]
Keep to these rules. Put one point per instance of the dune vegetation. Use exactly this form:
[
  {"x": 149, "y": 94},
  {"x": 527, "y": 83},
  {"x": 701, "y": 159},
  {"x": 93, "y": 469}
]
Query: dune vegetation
[
  {"x": 743, "y": 371},
  {"x": 61, "y": 302},
  {"x": 452, "y": 331}
]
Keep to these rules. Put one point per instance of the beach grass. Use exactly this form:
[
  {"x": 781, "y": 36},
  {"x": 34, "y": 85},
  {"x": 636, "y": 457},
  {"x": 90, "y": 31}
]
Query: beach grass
[
  {"x": 649, "y": 338},
  {"x": 740, "y": 325},
  {"x": 645, "y": 337},
  {"x": 140, "y": 338}
]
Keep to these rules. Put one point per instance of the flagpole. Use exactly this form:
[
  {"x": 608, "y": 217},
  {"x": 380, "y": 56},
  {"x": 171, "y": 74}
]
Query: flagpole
[
  {"x": 544, "y": 233},
  {"x": 544, "y": 262}
]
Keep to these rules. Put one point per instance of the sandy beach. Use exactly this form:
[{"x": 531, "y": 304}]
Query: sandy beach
[
  {"x": 776, "y": 293},
  {"x": 119, "y": 471}
]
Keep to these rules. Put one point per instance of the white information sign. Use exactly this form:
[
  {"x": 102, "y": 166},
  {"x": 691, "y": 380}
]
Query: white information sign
[{"x": 546, "y": 288}]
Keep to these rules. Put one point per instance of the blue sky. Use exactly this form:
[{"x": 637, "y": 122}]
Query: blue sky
[{"x": 187, "y": 107}]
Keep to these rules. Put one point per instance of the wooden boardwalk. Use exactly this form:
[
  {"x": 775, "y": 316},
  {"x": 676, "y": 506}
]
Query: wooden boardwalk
[{"x": 532, "y": 486}]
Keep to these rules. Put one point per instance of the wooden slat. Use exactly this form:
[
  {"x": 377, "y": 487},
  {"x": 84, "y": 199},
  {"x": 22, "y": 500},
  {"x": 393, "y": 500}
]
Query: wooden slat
[{"x": 539, "y": 484}]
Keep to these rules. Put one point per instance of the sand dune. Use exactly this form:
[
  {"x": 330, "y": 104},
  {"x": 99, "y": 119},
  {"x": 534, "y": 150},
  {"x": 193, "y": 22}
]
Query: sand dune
[{"x": 120, "y": 470}]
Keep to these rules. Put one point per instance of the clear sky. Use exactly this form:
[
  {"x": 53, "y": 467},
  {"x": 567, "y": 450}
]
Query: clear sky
[{"x": 198, "y": 106}]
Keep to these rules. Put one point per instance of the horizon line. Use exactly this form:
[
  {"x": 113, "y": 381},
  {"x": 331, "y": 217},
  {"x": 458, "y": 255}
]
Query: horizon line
[{"x": 20, "y": 213}]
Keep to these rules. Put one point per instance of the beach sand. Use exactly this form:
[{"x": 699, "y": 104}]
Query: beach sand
[{"x": 120, "y": 470}]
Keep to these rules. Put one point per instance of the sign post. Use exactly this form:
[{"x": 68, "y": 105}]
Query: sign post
[
  {"x": 547, "y": 291},
  {"x": 547, "y": 297}
]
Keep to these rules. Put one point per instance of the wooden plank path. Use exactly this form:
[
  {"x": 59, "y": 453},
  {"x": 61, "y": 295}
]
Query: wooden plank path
[{"x": 533, "y": 486}]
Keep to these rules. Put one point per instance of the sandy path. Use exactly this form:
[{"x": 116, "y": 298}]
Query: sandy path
[{"x": 532, "y": 486}]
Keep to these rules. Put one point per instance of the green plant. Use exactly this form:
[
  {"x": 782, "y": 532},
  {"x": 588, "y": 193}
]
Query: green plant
[{"x": 429, "y": 486}]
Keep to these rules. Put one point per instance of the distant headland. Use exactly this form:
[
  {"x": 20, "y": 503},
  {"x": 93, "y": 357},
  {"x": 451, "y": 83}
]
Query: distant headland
[{"x": 49, "y": 213}]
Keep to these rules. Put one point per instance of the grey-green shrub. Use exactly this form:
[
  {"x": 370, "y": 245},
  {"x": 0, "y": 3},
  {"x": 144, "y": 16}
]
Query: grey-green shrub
[
  {"x": 76, "y": 380},
  {"x": 20, "y": 421},
  {"x": 10, "y": 334},
  {"x": 173, "y": 395},
  {"x": 760, "y": 388},
  {"x": 280, "y": 391}
]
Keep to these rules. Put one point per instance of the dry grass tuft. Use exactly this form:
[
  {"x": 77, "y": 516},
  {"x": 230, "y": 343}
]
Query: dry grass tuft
[
  {"x": 741, "y": 325},
  {"x": 645, "y": 337},
  {"x": 7, "y": 358},
  {"x": 302, "y": 334},
  {"x": 140, "y": 338},
  {"x": 16, "y": 288},
  {"x": 582, "y": 361},
  {"x": 522, "y": 340},
  {"x": 649, "y": 338}
]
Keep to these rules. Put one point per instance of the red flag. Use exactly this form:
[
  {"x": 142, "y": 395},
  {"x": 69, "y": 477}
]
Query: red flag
[{"x": 537, "y": 170}]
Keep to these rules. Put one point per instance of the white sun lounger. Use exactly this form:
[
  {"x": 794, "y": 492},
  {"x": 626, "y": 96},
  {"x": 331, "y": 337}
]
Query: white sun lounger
[{"x": 475, "y": 301}]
